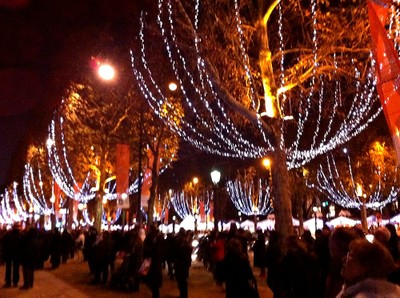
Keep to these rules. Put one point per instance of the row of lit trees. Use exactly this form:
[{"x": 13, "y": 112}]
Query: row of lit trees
[
  {"x": 81, "y": 148},
  {"x": 367, "y": 180}
]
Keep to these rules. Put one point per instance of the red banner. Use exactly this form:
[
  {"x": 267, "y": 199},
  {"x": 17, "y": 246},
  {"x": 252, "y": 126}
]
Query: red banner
[
  {"x": 122, "y": 174},
  {"x": 166, "y": 215},
  {"x": 75, "y": 201},
  {"x": 57, "y": 195},
  {"x": 388, "y": 70}
]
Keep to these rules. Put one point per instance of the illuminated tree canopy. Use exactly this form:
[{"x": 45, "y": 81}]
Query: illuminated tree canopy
[
  {"x": 370, "y": 178},
  {"x": 290, "y": 79}
]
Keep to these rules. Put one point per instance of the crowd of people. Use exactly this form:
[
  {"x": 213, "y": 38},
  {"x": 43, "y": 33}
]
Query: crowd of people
[{"x": 337, "y": 263}]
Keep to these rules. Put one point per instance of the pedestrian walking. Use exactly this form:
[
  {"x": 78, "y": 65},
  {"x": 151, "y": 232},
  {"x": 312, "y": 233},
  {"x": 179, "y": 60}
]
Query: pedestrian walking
[
  {"x": 217, "y": 256},
  {"x": 183, "y": 261},
  {"x": 55, "y": 249},
  {"x": 79, "y": 245},
  {"x": 153, "y": 249},
  {"x": 102, "y": 257},
  {"x": 30, "y": 257},
  {"x": 66, "y": 243},
  {"x": 259, "y": 253},
  {"x": 12, "y": 255},
  {"x": 238, "y": 276}
]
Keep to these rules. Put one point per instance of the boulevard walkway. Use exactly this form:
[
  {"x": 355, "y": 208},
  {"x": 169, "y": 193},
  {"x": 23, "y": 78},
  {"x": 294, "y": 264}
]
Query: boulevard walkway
[{"x": 71, "y": 280}]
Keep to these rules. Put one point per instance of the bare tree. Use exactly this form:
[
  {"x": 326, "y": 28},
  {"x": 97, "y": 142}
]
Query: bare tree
[{"x": 289, "y": 79}]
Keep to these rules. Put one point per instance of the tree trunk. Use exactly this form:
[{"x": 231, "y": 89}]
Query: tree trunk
[
  {"x": 70, "y": 215},
  {"x": 364, "y": 221},
  {"x": 281, "y": 194},
  {"x": 100, "y": 194},
  {"x": 98, "y": 212},
  {"x": 153, "y": 188},
  {"x": 299, "y": 207}
]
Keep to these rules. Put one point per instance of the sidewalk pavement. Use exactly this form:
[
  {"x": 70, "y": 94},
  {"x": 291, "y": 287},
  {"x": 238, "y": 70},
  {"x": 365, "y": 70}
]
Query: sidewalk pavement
[{"x": 72, "y": 280}]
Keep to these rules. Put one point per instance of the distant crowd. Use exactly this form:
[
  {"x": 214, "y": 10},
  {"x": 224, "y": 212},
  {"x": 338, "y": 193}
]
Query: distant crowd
[{"x": 336, "y": 263}]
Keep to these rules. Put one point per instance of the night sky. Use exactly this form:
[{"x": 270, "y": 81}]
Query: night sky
[{"x": 35, "y": 65}]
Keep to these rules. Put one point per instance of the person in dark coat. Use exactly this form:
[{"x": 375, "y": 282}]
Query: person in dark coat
[
  {"x": 339, "y": 242},
  {"x": 44, "y": 252},
  {"x": 153, "y": 249},
  {"x": 135, "y": 259},
  {"x": 273, "y": 257},
  {"x": 66, "y": 245},
  {"x": 170, "y": 254},
  {"x": 183, "y": 261},
  {"x": 55, "y": 250},
  {"x": 88, "y": 249},
  {"x": 259, "y": 253},
  {"x": 299, "y": 274},
  {"x": 12, "y": 255},
  {"x": 30, "y": 257},
  {"x": 238, "y": 276},
  {"x": 321, "y": 248},
  {"x": 393, "y": 242},
  {"x": 102, "y": 257},
  {"x": 365, "y": 260}
]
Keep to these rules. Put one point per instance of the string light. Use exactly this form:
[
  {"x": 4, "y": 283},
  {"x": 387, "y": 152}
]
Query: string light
[
  {"x": 250, "y": 197},
  {"x": 330, "y": 183},
  {"x": 34, "y": 195},
  {"x": 60, "y": 168},
  {"x": 186, "y": 203},
  {"x": 208, "y": 125}
]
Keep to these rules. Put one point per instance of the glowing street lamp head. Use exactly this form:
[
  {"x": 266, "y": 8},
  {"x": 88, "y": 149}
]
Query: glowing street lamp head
[
  {"x": 215, "y": 176},
  {"x": 106, "y": 72},
  {"x": 172, "y": 86},
  {"x": 266, "y": 162}
]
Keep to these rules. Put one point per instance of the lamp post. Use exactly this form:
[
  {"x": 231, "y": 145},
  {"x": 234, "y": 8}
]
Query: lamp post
[
  {"x": 266, "y": 162},
  {"x": 363, "y": 198},
  {"x": 315, "y": 210},
  {"x": 215, "y": 178},
  {"x": 106, "y": 71},
  {"x": 196, "y": 206}
]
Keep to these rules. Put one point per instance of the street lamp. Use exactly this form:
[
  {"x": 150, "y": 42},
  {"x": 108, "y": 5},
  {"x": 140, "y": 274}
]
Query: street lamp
[
  {"x": 106, "y": 72},
  {"x": 215, "y": 178},
  {"x": 196, "y": 205},
  {"x": 172, "y": 86},
  {"x": 363, "y": 198},
  {"x": 315, "y": 210},
  {"x": 266, "y": 163}
]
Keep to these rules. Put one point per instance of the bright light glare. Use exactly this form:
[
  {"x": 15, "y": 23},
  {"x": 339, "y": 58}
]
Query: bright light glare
[
  {"x": 172, "y": 86},
  {"x": 106, "y": 72},
  {"x": 266, "y": 162},
  {"x": 369, "y": 237}
]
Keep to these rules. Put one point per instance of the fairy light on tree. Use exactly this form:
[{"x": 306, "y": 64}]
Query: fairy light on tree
[
  {"x": 38, "y": 185},
  {"x": 12, "y": 206},
  {"x": 187, "y": 202},
  {"x": 34, "y": 191},
  {"x": 60, "y": 167},
  {"x": 351, "y": 190},
  {"x": 284, "y": 97},
  {"x": 250, "y": 194}
]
